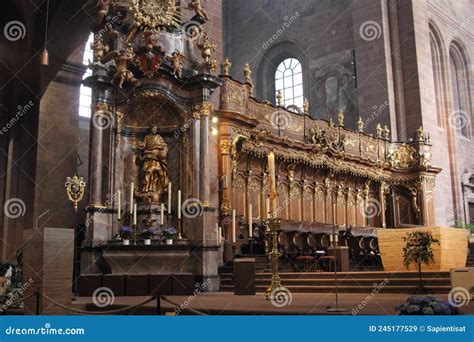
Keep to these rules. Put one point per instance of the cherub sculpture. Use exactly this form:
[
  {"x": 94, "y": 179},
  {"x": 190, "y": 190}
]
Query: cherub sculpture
[
  {"x": 104, "y": 7},
  {"x": 177, "y": 60},
  {"x": 123, "y": 73},
  {"x": 197, "y": 7}
]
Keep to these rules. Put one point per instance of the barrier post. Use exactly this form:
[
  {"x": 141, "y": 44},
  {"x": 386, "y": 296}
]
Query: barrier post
[
  {"x": 37, "y": 295},
  {"x": 158, "y": 304}
]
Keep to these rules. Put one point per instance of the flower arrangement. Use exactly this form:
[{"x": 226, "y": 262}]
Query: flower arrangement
[
  {"x": 418, "y": 250},
  {"x": 169, "y": 233},
  {"x": 126, "y": 233},
  {"x": 148, "y": 233},
  {"x": 426, "y": 305}
]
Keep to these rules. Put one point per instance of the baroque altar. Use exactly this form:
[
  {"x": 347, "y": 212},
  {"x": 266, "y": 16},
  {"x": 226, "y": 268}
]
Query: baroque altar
[{"x": 166, "y": 153}]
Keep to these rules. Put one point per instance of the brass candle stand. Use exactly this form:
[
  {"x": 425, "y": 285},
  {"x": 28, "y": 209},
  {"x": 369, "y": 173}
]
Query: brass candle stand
[{"x": 274, "y": 225}]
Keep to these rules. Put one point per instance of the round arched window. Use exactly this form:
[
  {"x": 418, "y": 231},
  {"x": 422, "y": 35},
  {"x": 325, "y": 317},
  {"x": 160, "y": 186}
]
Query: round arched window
[{"x": 289, "y": 80}]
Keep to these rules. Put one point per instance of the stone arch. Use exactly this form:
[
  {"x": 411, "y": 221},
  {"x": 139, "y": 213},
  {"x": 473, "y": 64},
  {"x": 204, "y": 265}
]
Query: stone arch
[
  {"x": 460, "y": 83},
  {"x": 439, "y": 74}
]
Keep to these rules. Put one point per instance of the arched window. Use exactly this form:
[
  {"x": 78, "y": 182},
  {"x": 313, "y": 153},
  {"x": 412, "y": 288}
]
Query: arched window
[
  {"x": 460, "y": 86},
  {"x": 289, "y": 80},
  {"x": 85, "y": 98}
]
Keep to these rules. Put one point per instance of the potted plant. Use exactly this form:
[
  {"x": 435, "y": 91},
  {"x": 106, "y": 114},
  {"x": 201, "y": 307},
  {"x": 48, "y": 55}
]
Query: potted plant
[
  {"x": 126, "y": 233},
  {"x": 169, "y": 234},
  {"x": 426, "y": 305},
  {"x": 147, "y": 235},
  {"x": 418, "y": 250}
]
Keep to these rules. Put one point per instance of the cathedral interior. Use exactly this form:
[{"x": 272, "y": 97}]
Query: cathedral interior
[{"x": 158, "y": 145}]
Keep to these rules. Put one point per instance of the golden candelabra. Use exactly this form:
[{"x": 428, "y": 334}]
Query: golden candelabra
[{"x": 274, "y": 225}]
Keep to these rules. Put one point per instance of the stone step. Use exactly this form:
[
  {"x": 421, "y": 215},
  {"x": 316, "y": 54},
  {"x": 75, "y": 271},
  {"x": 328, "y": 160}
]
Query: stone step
[{"x": 350, "y": 289}]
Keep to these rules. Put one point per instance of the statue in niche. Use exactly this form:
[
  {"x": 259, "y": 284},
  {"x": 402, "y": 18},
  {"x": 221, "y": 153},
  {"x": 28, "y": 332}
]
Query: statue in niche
[{"x": 155, "y": 179}]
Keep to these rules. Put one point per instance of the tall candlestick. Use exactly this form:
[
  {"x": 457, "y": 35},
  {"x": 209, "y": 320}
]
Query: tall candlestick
[
  {"x": 169, "y": 198},
  {"x": 271, "y": 170},
  {"x": 135, "y": 214},
  {"x": 162, "y": 215},
  {"x": 234, "y": 238},
  {"x": 250, "y": 221},
  {"x": 267, "y": 208},
  {"x": 131, "y": 197},
  {"x": 179, "y": 204},
  {"x": 119, "y": 205},
  {"x": 220, "y": 235}
]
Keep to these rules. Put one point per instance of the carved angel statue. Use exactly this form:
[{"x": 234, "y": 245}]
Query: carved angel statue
[
  {"x": 177, "y": 60},
  {"x": 123, "y": 73},
  {"x": 197, "y": 7},
  {"x": 99, "y": 48},
  {"x": 155, "y": 167}
]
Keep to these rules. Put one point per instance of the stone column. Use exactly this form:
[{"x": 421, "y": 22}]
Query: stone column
[
  {"x": 205, "y": 109},
  {"x": 98, "y": 124}
]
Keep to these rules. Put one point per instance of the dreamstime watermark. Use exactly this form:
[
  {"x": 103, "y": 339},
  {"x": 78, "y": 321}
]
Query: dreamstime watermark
[
  {"x": 281, "y": 297},
  {"x": 192, "y": 208},
  {"x": 103, "y": 297},
  {"x": 199, "y": 288},
  {"x": 458, "y": 297},
  {"x": 280, "y": 119},
  {"x": 376, "y": 290},
  {"x": 372, "y": 208},
  {"x": 109, "y": 21},
  {"x": 14, "y": 208},
  {"x": 15, "y": 295},
  {"x": 370, "y": 30},
  {"x": 287, "y": 22},
  {"x": 376, "y": 112},
  {"x": 183, "y": 129},
  {"x": 46, "y": 330},
  {"x": 459, "y": 120},
  {"x": 192, "y": 30},
  {"x": 21, "y": 110},
  {"x": 108, "y": 203},
  {"x": 103, "y": 120},
  {"x": 14, "y": 30}
]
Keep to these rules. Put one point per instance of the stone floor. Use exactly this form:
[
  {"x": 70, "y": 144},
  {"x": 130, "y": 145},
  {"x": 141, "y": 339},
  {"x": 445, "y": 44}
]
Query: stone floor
[{"x": 225, "y": 303}]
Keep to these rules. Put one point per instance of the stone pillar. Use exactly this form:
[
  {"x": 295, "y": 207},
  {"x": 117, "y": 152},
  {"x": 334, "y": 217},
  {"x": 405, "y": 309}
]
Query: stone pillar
[
  {"x": 48, "y": 262},
  {"x": 206, "y": 109},
  {"x": 99, "y": 117}
]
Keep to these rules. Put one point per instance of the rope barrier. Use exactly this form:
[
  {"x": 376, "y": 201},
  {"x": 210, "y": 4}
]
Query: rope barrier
[
  {"x": 196, "y": 312},
  {"x": 105, "y": 312}
]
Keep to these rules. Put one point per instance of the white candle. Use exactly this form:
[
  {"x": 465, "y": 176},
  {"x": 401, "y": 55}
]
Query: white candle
[
  {"x": 220, "y": 235},
  {"x": 250, "y": 221},
  {"x": 119, "y": 205},
  {"x": 169, "y": 198},
  {"x": 331, "y": 238},
  {"x": 267, "y": 208},
  {"x": 162, "y": 216},
  {"x": 271, "y": 170},
  {"x": 234, "y": 238},
  {"x": 131, "y": 197},
  {"x": 217, "y": 233},
  {"x": 135, "y": 214},
  {"x": 179, "y": 204}
]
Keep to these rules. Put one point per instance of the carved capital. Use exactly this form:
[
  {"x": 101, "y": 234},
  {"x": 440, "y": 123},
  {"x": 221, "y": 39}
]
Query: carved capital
[
  {"x": 203, "y": 109},
  {"x": 225, "y": 145}
]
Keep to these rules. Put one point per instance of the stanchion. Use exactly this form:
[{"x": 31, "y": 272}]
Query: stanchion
[
  {"x": 37, "y": 296},
  {"x": 158, "y": 305}
]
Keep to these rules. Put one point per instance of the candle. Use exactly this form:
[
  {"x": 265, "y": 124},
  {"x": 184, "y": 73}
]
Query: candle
[
  {"x": 179, "y": 204},
  {"x": 331, "y": 238},
  {"x": 220, "y": 235},
  {"x": 217, "y": 233},
  {"x": 250, "y": 221},
  {"x": 271, "y": 170},
  {"x": 162, "y": 216},
  {"x": 131, "y": 197},
  {"x": 267, "y": 208},
  {"x": 135, "y": 214},
  {"x": 234, "y": 239},
  {"x": 169, "y": 198},
  {"x": 119, "y": 205}
]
